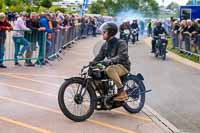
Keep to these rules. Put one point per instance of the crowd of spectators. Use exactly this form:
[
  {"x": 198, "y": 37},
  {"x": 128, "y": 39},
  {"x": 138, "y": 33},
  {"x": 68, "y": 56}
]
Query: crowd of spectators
[
  {"x": 185, "y": 35},
  {"x": 32, "y": 31}
]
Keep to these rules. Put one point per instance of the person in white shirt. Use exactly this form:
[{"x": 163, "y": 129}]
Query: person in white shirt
[{"x": 18, "y": 37}]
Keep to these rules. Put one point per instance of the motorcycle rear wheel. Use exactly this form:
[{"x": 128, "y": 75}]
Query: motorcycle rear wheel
[{"x": 136, "y": 94}]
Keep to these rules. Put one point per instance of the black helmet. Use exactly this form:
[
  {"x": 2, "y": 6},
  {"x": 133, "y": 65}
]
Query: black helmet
[{"x": 110, "y": 27}]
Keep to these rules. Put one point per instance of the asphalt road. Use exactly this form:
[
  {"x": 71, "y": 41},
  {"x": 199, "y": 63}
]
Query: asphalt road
[
  {"x": 176, "y": 87},
  {"x": 28, "y": 99}
]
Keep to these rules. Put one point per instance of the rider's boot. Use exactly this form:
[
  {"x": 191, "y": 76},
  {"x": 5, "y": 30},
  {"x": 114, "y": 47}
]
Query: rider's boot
[{"x": 121, "y": 96}]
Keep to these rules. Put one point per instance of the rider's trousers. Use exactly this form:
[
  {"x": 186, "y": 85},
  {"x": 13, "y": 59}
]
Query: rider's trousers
[{"x": 114, "y": 72}]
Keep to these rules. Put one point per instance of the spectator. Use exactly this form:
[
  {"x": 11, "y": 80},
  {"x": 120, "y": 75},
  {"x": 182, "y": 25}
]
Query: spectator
[
  {"x": 94, "y": 26},
  {"x": 149, "y": 28},
  {"x": 175, "y": 27},
  {"x": 189, "y": 33},
  {"x": 4, "y": 26},
  {"x": 18, "y": 37},
  {"x": 32, "y": 36},
  {"x": 44, "y": 26}
]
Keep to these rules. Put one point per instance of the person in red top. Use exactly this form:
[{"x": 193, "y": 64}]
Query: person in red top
[{"x": 4, "y": 26}]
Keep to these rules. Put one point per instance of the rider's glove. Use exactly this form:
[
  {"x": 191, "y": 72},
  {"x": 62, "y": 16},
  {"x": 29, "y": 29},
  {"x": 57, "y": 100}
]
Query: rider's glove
[{"x": 106, "y": 62}]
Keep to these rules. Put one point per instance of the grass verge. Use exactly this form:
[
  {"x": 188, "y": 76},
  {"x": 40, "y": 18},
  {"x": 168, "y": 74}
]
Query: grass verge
[{"x": 193, "y": 58}]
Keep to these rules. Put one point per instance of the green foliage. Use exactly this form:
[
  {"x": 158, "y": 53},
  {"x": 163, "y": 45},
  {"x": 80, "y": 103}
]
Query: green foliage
[
  {"x": 28, "y": 9},
  {"x": 111, "y": 7},
  {"x": 42, "y": 9},
  {"x": 1, "y": 5},
  {"x": 8, "y": 2},
  {"x": 97, "y": 7},
  {"x": 46, "y": 3},
  {"x": 36, "y": 2},
  {"x": 56, "y": 8},
  {"x": 173, "y": 6},
  {"x": 16, "y": 8}
]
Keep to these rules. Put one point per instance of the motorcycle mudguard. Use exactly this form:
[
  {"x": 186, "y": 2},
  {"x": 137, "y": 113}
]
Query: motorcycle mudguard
[
  {"x": 138, "y": 76},
  {"x": 67, "y": 79},
  {"x": 73, "y": 78}
]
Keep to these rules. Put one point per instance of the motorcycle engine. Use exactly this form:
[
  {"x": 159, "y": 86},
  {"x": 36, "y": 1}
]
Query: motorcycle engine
[{"x": 107, "y": 103}]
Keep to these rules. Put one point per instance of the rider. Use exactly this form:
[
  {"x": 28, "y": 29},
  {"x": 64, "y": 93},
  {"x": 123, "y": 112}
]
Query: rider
[
  {"x": 156, "y": 31},
  {"x": 125, "y": 26},
  {"x": 135, "y": 26},
  {"x": 114, "y": 55}
]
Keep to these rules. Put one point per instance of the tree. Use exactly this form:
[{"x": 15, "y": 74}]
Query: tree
[
  {"x": 10, "y": 2},
  {"x": 46, "y": 3},
  {"x": 190, "y": 2},
  {"x": 97, "y": 7},
  {"x": 112, "y": 7},
  {"x": 36, "y": 2},
  {"x": 118, "y": 5},
  {"x": 1, "y": 5},
  {"x": 173, "y": 6}
]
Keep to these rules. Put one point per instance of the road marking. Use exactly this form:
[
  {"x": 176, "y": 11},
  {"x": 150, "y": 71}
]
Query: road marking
[
  {"x": 29, "y": 90},
  {"x": 37, "y": 75},
  {"x": 18, "y": 123},
  {"x": 51, "y": 95},
  {"x": 111, "y": 126},
  {"x": 133, "y": 116},
  {"x": 119, "y": 112},
  {"x": 104, "y": 124},
  {"x": 43, "y": 82},
  {"x": 29, "y": 104}
]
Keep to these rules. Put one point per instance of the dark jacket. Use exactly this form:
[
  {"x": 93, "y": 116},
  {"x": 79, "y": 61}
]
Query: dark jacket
[
  {"x": 159, "y": 30},
  {"x": 34, "y": 26},
  {"x": 135, "y": 26},
  {"x": 116, "y": 51}
]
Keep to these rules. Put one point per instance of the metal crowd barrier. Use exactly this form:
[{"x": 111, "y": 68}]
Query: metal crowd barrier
[
  {"x": 21, "y": 45},
  {"x": 62, "y": 38},
  {"x": 187, "y": 44},
  {"x": 37, "y": 44}
]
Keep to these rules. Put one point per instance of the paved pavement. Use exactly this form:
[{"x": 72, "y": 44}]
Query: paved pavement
[{"x": 28, "y": 99}]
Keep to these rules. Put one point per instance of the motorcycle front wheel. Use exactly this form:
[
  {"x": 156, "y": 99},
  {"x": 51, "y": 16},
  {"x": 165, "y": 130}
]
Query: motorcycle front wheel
[
  {"x": 76, "y": 100},
  {"x": 164, "y": 53}
]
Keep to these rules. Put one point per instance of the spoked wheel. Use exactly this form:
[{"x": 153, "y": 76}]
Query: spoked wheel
[
  {"x": 164, "y": 56},
  {"x": 136, "y": 93},
  {"x": 76, "y": 101},
  {"x": 156, "y": 52},
  {"x": 164, "y": 53}
]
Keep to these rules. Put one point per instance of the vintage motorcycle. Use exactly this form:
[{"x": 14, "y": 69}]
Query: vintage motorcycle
[
  {"x": 134, "y": 33},
  {"x": 125, "y": 35},
  {"x": 161, "y": 46},
  {"x": 79, "y": 96}
]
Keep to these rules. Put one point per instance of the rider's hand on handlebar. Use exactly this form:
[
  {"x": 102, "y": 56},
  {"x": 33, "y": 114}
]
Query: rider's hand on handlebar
[
  {"x": 106, "y": 62},
  {"x": 92, "y": 63}
]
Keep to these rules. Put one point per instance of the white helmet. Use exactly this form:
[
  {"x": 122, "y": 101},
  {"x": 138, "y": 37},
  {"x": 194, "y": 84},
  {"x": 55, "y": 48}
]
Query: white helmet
[{"x": 125, "y": 21}]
